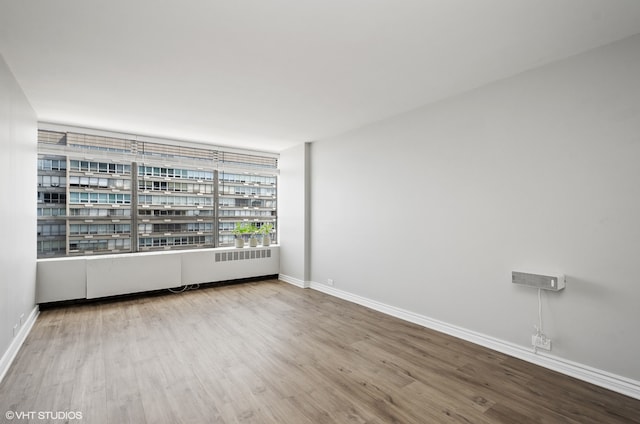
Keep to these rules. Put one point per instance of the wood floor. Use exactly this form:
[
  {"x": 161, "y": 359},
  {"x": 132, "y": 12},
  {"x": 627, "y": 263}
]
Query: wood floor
[{"x": 269, "y": 352}]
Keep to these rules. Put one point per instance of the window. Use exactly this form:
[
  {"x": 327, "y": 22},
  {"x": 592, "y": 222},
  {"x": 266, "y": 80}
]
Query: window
[
  {"x": 48, "y": 230},
  {"x": 99, "y": 167},
  {"x": 52, "y": 164},
  {"x": 51, "y": 197},
  {"x": 102, "y": 245},
  {"x": 51, "y": 247},
  {"x": 90, "y": 229},
  {"x": 51, "y": 212},
  {"x": 182, "y": 197}
]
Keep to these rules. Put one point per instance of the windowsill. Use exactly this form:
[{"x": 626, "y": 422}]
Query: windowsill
[{"x": 152, "y": 253}]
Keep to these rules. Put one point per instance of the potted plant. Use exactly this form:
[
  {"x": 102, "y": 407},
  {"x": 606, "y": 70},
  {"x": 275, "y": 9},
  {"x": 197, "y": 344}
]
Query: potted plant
[
  {"x": 252, "y": 230},
  {"x": 265, "y": 230},
  {"x": 239, "y": 231}
]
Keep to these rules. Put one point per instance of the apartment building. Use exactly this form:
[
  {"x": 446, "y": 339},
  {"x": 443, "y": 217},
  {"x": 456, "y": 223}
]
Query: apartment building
[{"x": 102, "y": 194}]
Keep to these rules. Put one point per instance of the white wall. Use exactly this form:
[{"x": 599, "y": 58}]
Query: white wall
[
  {"x": 430, "y": 211},
  {"x": 18, "y": 185},
  {"x": 293, "y": 213}
]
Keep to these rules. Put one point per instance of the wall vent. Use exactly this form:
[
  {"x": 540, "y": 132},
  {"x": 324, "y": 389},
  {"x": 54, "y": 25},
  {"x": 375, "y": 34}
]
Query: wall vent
[{"x": 243, "y": 255}]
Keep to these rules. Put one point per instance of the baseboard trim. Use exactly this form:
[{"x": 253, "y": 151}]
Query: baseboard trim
[
  {"x": 16, "y": 343},
  {"x": 295, "y": 281},
  {"x": 613, "y": 382}
]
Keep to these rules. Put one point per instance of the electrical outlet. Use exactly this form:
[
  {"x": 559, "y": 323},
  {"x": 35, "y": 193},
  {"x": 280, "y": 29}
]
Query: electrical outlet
[
  {"x": 330, "y": 281},
  {"x": 15, "y": 330},
  {"x": 541, "y": 341}
]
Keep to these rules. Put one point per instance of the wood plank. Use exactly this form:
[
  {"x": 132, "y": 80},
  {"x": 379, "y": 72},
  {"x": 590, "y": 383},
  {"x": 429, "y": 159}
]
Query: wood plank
[{"x": 269, "y": 352}]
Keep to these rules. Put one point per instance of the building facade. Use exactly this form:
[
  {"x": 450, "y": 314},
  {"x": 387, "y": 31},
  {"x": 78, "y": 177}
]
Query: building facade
[{"x": 102, "y": 194}]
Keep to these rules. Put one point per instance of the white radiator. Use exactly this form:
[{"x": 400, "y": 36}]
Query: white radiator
[{"x": 108, "y": 275}]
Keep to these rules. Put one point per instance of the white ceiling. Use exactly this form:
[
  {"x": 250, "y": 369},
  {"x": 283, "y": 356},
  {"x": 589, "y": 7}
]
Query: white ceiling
[{"x": 268, "y": 74}]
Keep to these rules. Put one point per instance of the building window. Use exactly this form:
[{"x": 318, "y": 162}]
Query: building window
[{"x": 44, "y": 197}]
